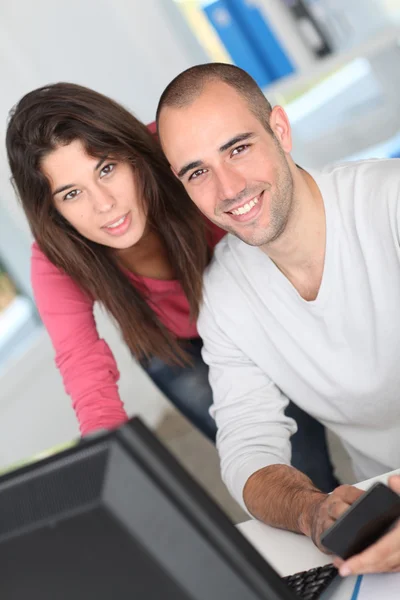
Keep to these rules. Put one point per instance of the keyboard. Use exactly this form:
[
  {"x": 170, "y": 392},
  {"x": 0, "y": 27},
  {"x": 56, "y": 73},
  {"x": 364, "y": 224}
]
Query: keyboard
[{"x": 309, "y": 585}]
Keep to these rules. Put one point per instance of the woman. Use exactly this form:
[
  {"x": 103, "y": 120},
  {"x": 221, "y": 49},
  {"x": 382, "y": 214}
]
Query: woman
[{"x": 111, "y": 225}]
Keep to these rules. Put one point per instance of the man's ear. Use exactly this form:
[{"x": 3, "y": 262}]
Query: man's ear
[{"x": 280, "y": 125}]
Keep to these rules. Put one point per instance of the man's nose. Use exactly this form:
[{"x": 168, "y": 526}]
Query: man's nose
[{"x": 230, "y": 182}]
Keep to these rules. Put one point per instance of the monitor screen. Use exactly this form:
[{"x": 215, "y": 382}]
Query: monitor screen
[{"x": 116, "y": 516}]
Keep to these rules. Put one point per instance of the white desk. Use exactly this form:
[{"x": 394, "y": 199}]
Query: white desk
[{"x": 290, "y": 552}]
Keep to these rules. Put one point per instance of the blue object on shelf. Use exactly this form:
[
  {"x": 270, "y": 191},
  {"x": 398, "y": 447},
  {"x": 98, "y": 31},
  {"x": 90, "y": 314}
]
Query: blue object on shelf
[
  {"x": 236, "y": 42},
  {"x": 262, "y": 37}
]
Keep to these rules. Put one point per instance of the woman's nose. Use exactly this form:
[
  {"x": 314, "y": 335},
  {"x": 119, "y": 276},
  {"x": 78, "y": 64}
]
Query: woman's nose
[{"x": 103, "y": 200}]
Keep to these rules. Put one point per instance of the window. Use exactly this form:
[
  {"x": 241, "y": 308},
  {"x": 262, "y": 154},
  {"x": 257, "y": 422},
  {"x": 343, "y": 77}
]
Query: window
[{"x": 18, "y": 320}]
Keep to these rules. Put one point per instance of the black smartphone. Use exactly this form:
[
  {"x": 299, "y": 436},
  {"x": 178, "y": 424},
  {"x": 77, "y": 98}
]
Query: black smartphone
[{"x": 367, "y": 519}]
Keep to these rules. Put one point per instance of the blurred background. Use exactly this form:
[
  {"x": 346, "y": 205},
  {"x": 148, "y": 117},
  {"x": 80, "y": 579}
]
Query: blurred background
[{"x": 333, "y": 64}]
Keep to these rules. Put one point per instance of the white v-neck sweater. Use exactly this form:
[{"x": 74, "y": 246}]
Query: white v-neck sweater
[{"x": 337, "y": 357}]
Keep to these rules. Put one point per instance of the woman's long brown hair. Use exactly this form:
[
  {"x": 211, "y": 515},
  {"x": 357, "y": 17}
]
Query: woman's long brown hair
[{"x": 57, "y": 115}]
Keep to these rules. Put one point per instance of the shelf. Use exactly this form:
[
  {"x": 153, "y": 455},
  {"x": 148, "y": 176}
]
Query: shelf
[
  {"x": 289, "y": 88},
  {"x": 348, "y": 108}
]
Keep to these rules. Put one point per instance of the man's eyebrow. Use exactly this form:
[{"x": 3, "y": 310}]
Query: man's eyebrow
[
  {"x": 198, "y": 163},
  {"x": 188, "y": 167},
  {"x": 70, "y": 185},
  {"x": 241, "y": 137}
]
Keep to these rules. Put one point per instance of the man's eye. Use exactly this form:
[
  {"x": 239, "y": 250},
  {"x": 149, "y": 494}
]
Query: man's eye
[
  {"x": 240, "y": 149},
  {"x": 197, "y": 174},
  {"x": 72, "y": 194},
  {"x": 107, "y": 169}
]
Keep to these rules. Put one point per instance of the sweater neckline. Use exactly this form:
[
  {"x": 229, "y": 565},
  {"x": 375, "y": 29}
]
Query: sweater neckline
[{"x": 276, "y": 276}]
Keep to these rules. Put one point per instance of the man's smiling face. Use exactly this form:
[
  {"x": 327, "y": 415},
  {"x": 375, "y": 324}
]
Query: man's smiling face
[{"x": 233, "y": 168}]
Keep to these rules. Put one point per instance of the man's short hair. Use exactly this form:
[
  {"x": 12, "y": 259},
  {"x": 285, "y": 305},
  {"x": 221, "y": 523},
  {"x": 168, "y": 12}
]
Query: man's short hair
[{"x": 188, "y": 86}]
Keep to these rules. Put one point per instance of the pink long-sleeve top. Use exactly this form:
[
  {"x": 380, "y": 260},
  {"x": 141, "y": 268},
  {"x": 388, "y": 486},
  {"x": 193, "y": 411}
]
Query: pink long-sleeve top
[{"x": 86, "y": 363}]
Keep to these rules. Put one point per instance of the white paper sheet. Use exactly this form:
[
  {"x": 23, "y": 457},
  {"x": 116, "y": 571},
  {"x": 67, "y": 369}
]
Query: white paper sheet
[{"x": 375, "y": 587}]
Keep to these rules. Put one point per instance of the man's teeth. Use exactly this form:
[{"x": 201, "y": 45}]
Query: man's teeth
[
  {"x": 122, "y": 219},
  {"x": 242, "y": 210}
]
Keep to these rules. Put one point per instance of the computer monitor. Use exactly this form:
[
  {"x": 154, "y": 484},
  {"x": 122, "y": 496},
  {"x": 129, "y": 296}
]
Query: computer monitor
[{"x": 117, "y": 517}]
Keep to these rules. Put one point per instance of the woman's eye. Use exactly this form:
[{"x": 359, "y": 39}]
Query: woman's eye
[
  {"x": 197, "y": 174},
  {"x": 240, "y": 149},
  {"x": 107, "y": 169},
  {"x": 72, "y": 194}
]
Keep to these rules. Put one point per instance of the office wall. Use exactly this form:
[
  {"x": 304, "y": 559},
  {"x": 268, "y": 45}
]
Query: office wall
[{"x": 130, "y": 51}]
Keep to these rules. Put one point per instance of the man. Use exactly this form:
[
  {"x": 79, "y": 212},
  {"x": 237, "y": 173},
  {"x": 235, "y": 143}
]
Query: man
[{"x": 302, "y": 302}]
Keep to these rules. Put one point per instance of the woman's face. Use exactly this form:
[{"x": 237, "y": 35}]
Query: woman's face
[{"x": 97, "y": 196}]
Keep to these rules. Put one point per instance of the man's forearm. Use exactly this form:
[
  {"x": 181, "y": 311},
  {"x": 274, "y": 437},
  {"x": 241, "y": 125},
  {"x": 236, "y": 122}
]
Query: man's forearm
[{"x": 283, "y": 497}]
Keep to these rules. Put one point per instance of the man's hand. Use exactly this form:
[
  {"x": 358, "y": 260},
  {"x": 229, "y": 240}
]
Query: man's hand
[
  {"x": 324, "y": 511},
  {"x": 284, "y": 497},
  {"x": 381, "y": 557}
]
